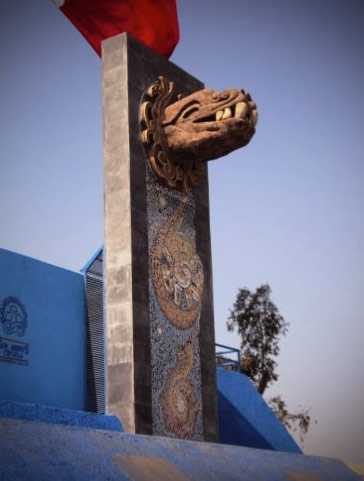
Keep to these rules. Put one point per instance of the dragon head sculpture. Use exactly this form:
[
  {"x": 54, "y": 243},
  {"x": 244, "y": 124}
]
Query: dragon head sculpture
[
  {"x": 203, "y": 126},
  {"x": 207, "y": 125}
]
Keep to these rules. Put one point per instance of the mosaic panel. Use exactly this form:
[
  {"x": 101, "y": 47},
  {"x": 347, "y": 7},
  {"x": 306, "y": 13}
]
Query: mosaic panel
[{"x": 176, "y": 284}]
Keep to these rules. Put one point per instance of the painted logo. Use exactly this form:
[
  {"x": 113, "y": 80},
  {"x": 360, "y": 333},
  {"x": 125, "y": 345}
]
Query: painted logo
[{"x": 13, "y": 316}]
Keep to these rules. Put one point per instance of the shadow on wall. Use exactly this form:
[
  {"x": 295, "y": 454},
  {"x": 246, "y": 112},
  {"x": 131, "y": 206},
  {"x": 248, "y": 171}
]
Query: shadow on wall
[{"x": 245, "y": 419}]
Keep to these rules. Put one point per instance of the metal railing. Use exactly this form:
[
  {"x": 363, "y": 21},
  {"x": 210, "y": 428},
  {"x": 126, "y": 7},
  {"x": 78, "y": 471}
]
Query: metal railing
[{"x": 226, "y": 362}]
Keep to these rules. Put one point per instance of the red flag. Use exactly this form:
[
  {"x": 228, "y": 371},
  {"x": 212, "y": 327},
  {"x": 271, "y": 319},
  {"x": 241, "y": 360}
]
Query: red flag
[{"x": 153, "y": 22}]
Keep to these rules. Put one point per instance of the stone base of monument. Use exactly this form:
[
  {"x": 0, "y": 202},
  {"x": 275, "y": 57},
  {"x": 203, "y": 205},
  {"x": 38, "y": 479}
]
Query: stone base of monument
[{"x": 35, "y": 451}]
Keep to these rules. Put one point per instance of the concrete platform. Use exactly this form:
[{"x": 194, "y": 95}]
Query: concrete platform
[
  {"x": 54, "y": 415},
  {"x": 35, "y": 451}
]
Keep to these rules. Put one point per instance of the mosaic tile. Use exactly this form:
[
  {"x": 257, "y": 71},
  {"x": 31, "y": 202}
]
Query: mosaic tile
[{"x": 176, "y": 283}]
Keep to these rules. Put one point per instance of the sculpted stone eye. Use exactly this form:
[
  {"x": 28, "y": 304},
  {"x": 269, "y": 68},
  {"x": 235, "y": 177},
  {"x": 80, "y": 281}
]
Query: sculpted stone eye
[{"x": 189, "y": 112}]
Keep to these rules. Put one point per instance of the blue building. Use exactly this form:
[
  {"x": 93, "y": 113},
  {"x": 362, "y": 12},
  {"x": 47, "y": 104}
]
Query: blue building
[{"x": 42, "y": 333}]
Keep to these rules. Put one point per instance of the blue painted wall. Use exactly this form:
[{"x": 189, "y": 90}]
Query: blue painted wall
[
  {"x": 45, "y": 363},
  {"x": 245, "y": 419}
]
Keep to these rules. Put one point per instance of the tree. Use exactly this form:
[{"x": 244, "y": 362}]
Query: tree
[
  {"x": 260, "y": 326},
  {"x": 293, "y": 421}
]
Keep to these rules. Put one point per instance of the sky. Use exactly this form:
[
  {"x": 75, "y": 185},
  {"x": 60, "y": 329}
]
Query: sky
[{"x": 287, "y": 209}]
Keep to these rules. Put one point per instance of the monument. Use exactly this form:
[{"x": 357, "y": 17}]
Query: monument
[
  {"x": 153, "y": 348},
  {"x": 160, "y": 128}
]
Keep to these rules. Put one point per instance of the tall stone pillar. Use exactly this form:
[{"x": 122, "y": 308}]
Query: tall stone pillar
[{"x": 160, "y": 367}]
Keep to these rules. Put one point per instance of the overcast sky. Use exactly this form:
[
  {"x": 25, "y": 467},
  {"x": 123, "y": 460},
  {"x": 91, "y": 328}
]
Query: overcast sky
[{"x": 287, "y": 209}]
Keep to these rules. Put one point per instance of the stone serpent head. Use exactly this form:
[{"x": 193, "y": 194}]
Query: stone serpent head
[
  {"x": 181, "y": 135},
  {"x": 207, "y": 125}
]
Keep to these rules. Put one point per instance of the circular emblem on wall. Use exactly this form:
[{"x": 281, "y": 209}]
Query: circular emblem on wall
[
  {"x": 13, "y": 316},
  {"x": 177, "y": 273}
]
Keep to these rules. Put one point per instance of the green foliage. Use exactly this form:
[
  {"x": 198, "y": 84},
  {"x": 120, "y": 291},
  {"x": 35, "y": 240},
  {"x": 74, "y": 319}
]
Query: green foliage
[
  {"x": 260, "y": 326},
  {"x": 300, "y": 420}
]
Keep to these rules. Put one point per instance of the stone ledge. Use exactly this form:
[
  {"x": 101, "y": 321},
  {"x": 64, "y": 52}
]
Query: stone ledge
[{"x": 55, "y": 415}]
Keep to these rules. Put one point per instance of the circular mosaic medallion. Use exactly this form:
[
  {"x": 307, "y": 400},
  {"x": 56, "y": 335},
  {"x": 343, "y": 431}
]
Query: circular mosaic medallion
[{"x": 177, "y": 273}]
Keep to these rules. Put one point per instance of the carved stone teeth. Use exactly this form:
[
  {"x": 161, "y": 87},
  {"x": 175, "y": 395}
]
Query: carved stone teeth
[
  {"x": 227, "y": 114},
  {"x": 254, "y": 117},
  {"x": 219, "y": 115},
  {"x": 240, "y": 110}
]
